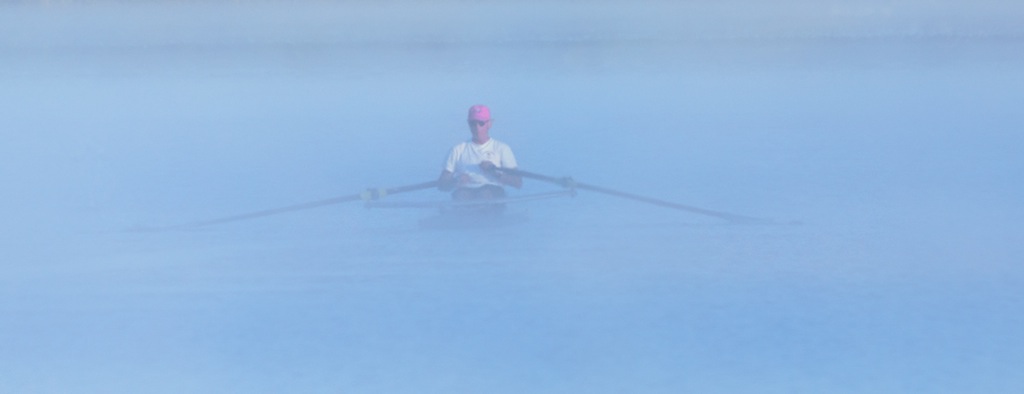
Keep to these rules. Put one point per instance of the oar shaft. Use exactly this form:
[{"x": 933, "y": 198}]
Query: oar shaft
[
  {"x": 273, "y": 211},
  {"x": 409, "y": 188},
  {"x": 369, "y": 194},
  {"x": 570, "y": 183},
  {"x": 663, "y": 203}
]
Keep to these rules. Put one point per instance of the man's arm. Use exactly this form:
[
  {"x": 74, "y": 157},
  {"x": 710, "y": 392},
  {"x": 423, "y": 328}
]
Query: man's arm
[
  {"x": 513, "y": 180},
  {"x": 508, "y": 160},
  {"x": 446, "y": 182}
]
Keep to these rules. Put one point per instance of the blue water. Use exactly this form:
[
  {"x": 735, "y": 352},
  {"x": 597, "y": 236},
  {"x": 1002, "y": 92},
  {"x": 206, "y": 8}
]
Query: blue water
[{"x": 885, "y": 148}]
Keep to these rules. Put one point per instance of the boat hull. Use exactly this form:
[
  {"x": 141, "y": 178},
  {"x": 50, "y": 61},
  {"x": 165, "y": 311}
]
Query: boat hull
[{"x": 473, "y": 219}]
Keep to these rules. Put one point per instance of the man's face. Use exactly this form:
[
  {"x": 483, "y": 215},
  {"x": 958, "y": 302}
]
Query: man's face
[{"x": 480, "y": 129}]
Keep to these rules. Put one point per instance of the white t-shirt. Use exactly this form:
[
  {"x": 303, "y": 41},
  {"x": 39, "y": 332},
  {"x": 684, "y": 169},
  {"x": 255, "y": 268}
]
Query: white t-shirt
[{"x": 465, "y": 158}]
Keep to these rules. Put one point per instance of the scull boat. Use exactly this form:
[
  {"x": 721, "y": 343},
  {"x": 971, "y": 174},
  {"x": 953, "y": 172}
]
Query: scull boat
[
  {"x": 470, "y": 213},
  {"x": 456, "y": 214}
]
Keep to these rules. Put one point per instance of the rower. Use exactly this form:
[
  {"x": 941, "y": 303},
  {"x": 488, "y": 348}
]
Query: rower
[{"x": 473, "y": 169}]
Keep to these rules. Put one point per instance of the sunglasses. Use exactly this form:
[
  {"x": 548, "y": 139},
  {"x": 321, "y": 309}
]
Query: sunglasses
[{"x": 478, "y": 123}]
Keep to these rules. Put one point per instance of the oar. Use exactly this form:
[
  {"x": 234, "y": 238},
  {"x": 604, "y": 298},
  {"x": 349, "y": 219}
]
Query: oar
[
  {"x": 366, "y": 195},
  {"x": 467, "y": 203},
  {"x": 568, "y": 182}
]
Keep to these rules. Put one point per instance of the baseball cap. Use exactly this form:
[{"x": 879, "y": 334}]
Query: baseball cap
[{"x": 479, "y": 112}]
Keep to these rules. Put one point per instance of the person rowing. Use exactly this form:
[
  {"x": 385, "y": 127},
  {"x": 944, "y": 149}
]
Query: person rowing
[{"x": 473, "y": 169}]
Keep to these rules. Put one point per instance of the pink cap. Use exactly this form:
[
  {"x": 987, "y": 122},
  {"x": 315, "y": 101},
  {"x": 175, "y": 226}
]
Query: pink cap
[{"x": 479, "y": 112}]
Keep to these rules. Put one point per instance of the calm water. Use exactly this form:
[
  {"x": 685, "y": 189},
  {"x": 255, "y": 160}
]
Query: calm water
[{"x": 889, "y": 162}]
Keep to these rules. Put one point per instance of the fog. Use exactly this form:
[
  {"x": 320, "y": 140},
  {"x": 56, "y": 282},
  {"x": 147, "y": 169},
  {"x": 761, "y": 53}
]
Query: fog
[{"x": 880, "y": 140}]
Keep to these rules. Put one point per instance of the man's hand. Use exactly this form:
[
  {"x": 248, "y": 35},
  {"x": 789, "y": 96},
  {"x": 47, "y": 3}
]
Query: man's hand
[{"x": 492, "y": 170}]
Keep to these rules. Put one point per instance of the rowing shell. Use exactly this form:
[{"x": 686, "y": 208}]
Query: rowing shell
[
  {"x": 473, "y": 219},
  {"x": 470, "y": 214}
]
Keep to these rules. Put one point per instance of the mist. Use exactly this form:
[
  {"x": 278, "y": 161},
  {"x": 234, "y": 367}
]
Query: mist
[{"x": 881, "y": 142}]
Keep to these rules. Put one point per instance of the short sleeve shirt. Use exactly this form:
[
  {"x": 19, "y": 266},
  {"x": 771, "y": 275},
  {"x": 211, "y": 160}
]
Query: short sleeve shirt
[{"x": 465, "y": 158}]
